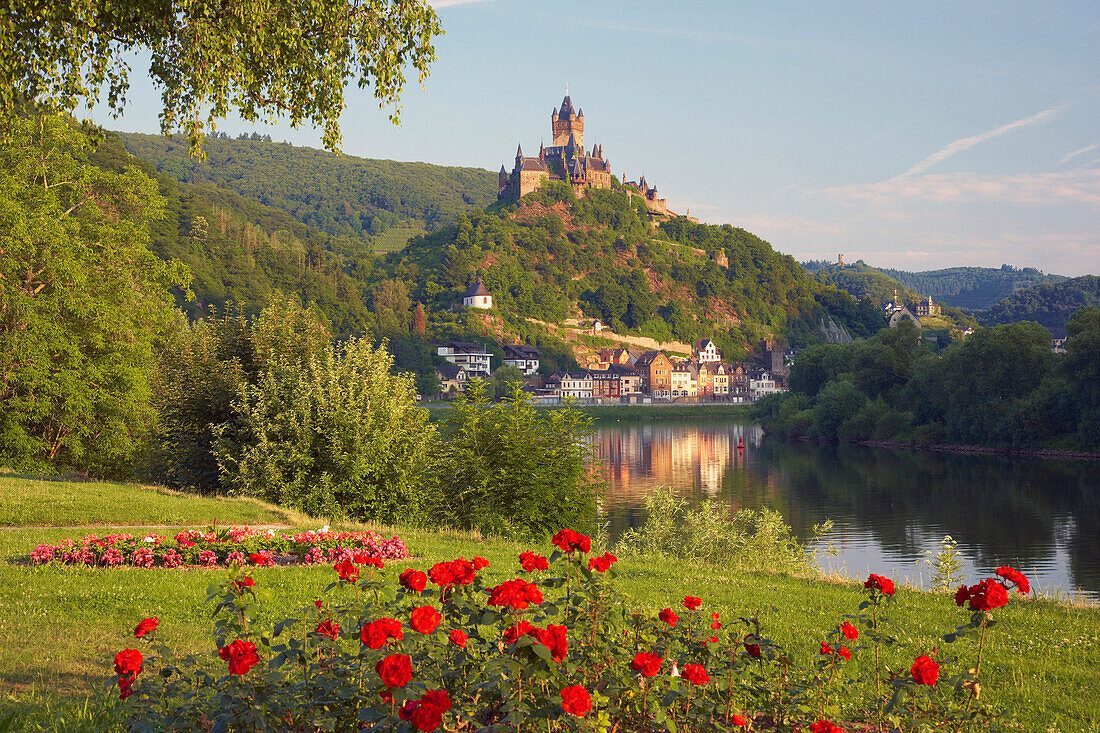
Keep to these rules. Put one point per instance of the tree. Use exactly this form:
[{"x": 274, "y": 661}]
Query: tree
[
  {"x": 500, "y": 384},
  {"x": 391, "y": 307},
  {"x": 208, "y": 57},
  {"x": 420, "y": 322},
  {"x": 83, "y": 302}
]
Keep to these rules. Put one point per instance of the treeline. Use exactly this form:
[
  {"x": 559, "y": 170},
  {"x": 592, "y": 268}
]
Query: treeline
[
  {"x": 1051, "y": 305},
  {"x": 971, "y": 287},
  {"x": 861, "y": 281},
  {"x": 341, "y": 195},
  {"x": 1001, "y": 387}
]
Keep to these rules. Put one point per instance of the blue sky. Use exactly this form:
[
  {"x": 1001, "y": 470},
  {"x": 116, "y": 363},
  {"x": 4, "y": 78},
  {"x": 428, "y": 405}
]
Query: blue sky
[{"x": 910, "y": 135}]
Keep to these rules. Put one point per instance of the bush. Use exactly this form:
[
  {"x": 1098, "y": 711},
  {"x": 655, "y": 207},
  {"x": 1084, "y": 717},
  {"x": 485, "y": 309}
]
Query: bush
[
  {"x": 511, "y": 469},
  {"x": 558, "y": 648}
]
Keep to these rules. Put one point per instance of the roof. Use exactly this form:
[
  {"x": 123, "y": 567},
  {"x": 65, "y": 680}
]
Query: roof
[
  {"x": 532, "y": 164},
  {"x": 701, "y": 344},
  {"x": 477, "y": 288},
  {"x": 566, "y": 107},
  {"x": 648, "y": 357},
  {"x": 448, "y": 371},
  {"x": 522, "y": 351},
  {"x": 467, "y": 347}
]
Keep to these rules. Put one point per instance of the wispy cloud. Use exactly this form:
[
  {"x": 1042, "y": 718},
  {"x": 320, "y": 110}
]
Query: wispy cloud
[
  {"x": 451, "y": 3},
  {"x": 1080, "y": 185},
  {"x": 1075, "y": 153},
  {"x": 968, "y": 142}
]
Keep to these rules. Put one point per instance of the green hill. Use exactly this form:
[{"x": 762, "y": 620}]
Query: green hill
[
  {"x": 1050, "y": 304},
  {"x": 861, "y": 280},
  {"x": 971, "y": 287},
  {"x": 341, "y": 195}
]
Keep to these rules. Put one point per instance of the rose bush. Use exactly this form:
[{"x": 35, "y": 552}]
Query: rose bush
[
  {"x": 236, "y": 545},
  {"x": 563, "y": 652}
]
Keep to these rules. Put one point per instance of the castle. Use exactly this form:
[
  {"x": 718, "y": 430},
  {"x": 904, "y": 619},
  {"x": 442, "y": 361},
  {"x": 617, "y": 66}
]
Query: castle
[{"x": 567, "y": 160}]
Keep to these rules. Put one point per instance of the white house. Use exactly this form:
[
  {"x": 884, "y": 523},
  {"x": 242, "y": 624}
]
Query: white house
[
  {"x": 477, "y": 296},
  {"x": 474, "y": 358},
  {"x": 706, "y": 352},
  {"x": 524, "y": 358},
  {"x": 576, "y": 386},
  {"x": 762, "y": 383}
]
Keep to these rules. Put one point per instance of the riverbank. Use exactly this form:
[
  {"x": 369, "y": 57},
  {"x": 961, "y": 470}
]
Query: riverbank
[
  {"x": 62, "y": 625},
  {"x": 966, "y": 450}
]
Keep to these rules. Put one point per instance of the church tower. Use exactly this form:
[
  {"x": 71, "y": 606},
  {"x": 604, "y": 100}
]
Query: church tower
[{"x": 565, "y": 122}]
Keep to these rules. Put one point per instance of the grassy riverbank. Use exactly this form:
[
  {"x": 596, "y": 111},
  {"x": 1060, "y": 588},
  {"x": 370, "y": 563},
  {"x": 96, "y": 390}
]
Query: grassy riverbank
[{"x": 61, "y": 626}]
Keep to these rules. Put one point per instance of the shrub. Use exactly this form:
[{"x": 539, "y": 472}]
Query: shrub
[
  {"x": 558, "y": 649},
  {"x": 512, "y": 469}
]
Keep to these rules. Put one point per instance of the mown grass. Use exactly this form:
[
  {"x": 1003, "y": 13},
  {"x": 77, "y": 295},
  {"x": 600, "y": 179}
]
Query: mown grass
[
  {"x": 40, "y": 502},
  {"x": 61, "y": 626}
]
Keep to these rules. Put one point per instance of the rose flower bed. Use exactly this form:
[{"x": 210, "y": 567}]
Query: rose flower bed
[
  {"x": 233, "y": 546},
  {"x": 556, "y": 648}
]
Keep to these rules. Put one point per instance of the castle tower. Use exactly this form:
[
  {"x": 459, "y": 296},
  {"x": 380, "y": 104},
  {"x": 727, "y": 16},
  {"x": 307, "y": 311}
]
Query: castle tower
[{"x": 565, "y": 122}]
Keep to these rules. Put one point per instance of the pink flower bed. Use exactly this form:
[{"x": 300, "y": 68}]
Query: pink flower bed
[{"x": 244, "y": 546}]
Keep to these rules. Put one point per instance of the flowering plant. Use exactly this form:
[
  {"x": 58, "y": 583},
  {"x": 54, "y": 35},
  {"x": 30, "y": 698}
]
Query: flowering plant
[{"x": 400, "y": 649}]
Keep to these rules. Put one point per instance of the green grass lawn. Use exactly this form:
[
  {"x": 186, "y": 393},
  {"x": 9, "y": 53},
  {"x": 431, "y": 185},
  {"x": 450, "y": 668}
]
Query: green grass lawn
[
  {"x": 61, "y": 626},
  {"x": 394, "y": 239}
]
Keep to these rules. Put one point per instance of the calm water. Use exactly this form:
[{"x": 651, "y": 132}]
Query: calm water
[{"x": 889, "y": 507}]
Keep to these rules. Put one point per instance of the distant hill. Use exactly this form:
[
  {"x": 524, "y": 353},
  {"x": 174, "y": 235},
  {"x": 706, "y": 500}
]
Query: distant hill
[
  {"x": 861, "y": 280},
  {"x": 1050, "y": 304},
  {"x": 340, "y": 195},
  {"x": 971, "y": 287}
]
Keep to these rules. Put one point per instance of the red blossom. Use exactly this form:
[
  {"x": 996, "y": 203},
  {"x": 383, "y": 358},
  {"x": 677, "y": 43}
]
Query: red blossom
[
  {"x": 646, "y": 663},
  {"x": 241, "y": 656},
  {"x": 692, "y": 603},
  {"x": 240, "y": 584},
  {"x": 753, "y": 650},
  {"x": 553, "y": 638},
  {"x": 376, "y": 634},
  {"x": 146, "y": 626},
  {"x": 480, "y": 563},
  {"x": 455, "y": 572},
  {"x": 576, "y": 701},
  {"x": 825, "y": 726},
  {"x": 696, "y": 674},
  {"x": 668, "y": 616},
  {"x": 128, "y": 662},
  {"x": 414, "y": 580},
  {"x": 570, "y": 540},
  {"x": 395, "y": 670},
  {"x": 739, "y": 721},
  {"x": 714, "y": 622},
  {"x": 925, "y": 671},
  {"x": 531, "y": 562},
  {"x": 328, "y": 628},
  {"x": 346, "y": 570},
  {"x": 985, "y": 596},
  {"x": 512, "y": 633},
  {"x": 517, "y": 594},
  {"x": 459, "y": 638},
  {"x": 425, "y": 619},
  {"x": 602, "y": 563},
  {"x": 849, "y": 631},
  {"x": 1014, "y": 576},
  {"x": 880, "y": 583}
]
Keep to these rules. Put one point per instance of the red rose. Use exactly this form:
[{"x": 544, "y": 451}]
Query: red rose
[
  {"x": 753, "y": 650},
  {"x": 414, "y": 580},
  {"x": 925, "y": 671},
  {"x": 437, "y": 698},
  {"x": 1015, "y": 576},
  {"x": 646, "y": 663},
  {"x": 375, "y": 634},
  {"x": 826, "y": 648},
  {"x": 241, "y": 656},
  {"x": 570, "y": 540},
  {"x": 575, "y": 700},
  {"x": 395, "y": 670},
  {"x": 603, "y": 563},
  {"x": 128, "y": 662},
  {"x": 824, "y": 726},
  {"x": 261, "y": 558},
  {"x": 426, "y": 717},
  {"x": 878, "y": 582},
  {"x": 460, "y": 571},
  {"x": 480, "y": 562},
  {"x": 346, "y": 570},
  {"x": 849, "y": 631},
  {"x": 240, "y": 584},
  {"x": 696, "y": 674},
  {"x": 459, "y": 638},
  {"x": 714, "y": 622},
  {"x": 125, "y": 687},
  {"x": 668, "y": 616},
  {"x": 517, "y": 594},
  {"x": 553, "y": 638},
  {"x": 844, "y": 652},
  {"x": 739, "y": 721},
  {"x": 985, "y": 596},
  {"x": 328, "y": 628},
  {"x": 530, "y": 562},
  {"x": 512, "y": 633},
  {"x": 692, "y": 603},
  {"x": 146, "y": 626},
  {"x": 425, "y": 619}
]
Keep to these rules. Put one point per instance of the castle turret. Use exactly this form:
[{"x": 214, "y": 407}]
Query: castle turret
[{"x": 566, "y": 122}]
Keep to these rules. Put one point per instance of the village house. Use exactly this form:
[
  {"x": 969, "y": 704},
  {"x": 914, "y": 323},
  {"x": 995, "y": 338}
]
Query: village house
[
  {"x": 621, "y": 357},
  {"x": 761, "y": 384},
  {"x": 474, "y": 358},
  {"x": 656, "y": 371},
  {"x": 575, "y": 386},
  {"x": 720, "y": 378},
  {"x": 706, "y": 352},
  {"x": 927, "y": 308},
  {"x": 705, "y": 378},
  {"x": 684, "y": 380},
  {"x": 524, "y": 358},
  {"x": 452, "y": 378}
]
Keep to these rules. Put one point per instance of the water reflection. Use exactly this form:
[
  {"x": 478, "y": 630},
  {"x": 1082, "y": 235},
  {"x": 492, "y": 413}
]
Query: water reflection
[{"x": 889, "y": 507}]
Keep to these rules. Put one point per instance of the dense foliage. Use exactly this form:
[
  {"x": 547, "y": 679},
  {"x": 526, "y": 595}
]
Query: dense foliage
[
  {"x": 861, "y": 281},
  {"x": 972, "y": 287},
  {"x": 264, "y": 60},
  {"x": 1002, "y": 387},
  {"x": 83, "y": 302},
  {"x": 341, "y": 195},
  {"x": 1050, "y": 305}
]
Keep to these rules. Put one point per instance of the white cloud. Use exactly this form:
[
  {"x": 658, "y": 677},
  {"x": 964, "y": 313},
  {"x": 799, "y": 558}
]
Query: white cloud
[
  {"x": 1075, "y": 153},
  {"x": 968, "y": 142}
]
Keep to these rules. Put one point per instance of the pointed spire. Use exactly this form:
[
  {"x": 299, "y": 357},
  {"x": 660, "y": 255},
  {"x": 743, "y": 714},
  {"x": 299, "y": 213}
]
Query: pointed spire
[
  {"x": 519, "y": 151},
  {"x": 580, "y": 114},
  {"x": 502, "y": 170}
]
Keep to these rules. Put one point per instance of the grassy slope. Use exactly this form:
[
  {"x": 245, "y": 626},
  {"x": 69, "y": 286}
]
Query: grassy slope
[{"x": 61, "y": 626}]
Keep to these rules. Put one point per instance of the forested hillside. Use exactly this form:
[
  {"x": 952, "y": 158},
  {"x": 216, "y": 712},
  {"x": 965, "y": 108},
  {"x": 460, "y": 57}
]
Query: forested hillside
[
  {"x": 340, "y": 195},
  {"x": 861, "y": 280},
  {"x": 971, "y": 287},
  {"x": 1050, "y": 304}
]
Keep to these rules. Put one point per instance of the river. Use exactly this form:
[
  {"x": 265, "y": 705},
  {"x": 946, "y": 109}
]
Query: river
[{"x": 889, "y": 507}]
